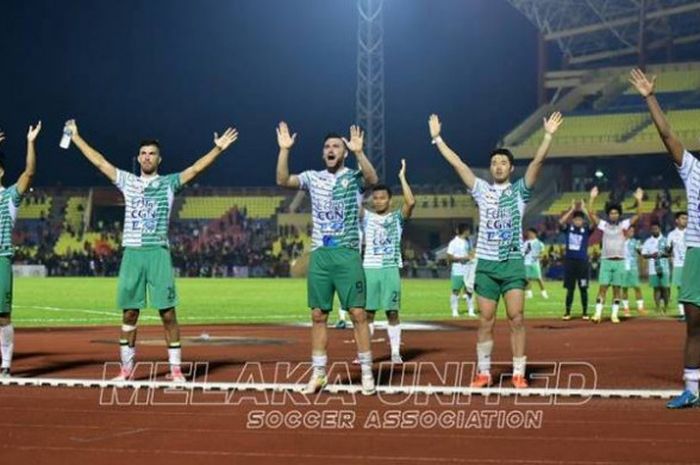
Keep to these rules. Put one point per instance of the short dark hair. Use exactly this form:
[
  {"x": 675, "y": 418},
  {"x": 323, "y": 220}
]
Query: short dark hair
[
  {"x": 579, "y": 214},
  {"x": 654, "y": 223},
  {"x": 613, "y": 206},
  {"x": 146, "y": 142},
  {"x": 462, "y": 227},
  {"x": 679, "y": 214},
  {"x": 532, "y": 230},
  {"x": 332, "y": 135},
  {"x": 502, "y": 151},
  {"x": 381, "y": 187},
  {"x": 2, "y": 161}
]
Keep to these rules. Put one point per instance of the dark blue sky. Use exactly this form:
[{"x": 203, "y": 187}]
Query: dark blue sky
[{"x": 178, "y": 70}]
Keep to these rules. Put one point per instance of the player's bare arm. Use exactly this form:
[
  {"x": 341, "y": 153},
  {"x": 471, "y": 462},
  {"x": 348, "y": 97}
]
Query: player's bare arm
[
  {"x": 645, "y": 87},
  {"x": 409, "y": 201},
  {"x": 221, "y": 143},
  {"x": 567, "y": 215},
  {"x": 95, "y": 157},
  {"x": 285, "y": 142},
  {"x": 356, "y": 146},
  {"x": 464, "y": 172},
  {"x": 551, "y": 125},
  {"x": 591, "y": 207},
  {"x": 25, "y": 179},
  {"x": 638, "y": 196}
]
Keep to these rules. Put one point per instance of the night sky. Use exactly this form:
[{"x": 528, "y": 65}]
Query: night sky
[{"x": 179, "y": 70}]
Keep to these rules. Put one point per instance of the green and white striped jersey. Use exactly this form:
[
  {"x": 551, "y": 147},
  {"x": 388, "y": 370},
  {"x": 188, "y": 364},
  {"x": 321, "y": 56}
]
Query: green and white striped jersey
[
  {"x": 533, "y": 251},
  {"x": 147, "y": 206},
  {"x": 10, "y": 200},
  {"x": 382, "y": 235},
  {"x": 335, "y": 207},
  {"x": 501, "y": 209},
  {"x": 632, "y": 246}
]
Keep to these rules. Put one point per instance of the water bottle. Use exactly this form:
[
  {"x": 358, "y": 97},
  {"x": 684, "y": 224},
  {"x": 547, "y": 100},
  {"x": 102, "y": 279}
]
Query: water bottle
[{"x": 65, "y": 140}]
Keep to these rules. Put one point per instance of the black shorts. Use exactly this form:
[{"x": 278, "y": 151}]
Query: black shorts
[{"x": 576, "y": 272}]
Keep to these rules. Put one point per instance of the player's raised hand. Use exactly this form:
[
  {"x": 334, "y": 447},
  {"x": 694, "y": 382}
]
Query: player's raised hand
[
  {"x": 402, "y": 171},
  {"x": 573, "y": 204},
  {"x": 33, "y": 131},
  {"x": 357, "y": 139},
  {"x": 226, "y": 139},
  {"x": 284, "y": 140},
  {"x": 639, "y": 81},
  {"x": 72, "y": 126},
  {"x": 435, "y": 126},
  {"x": 2, "y": 136},
  {"x": 552, "y": 123},
  {"x": 639, "y": 194},
  {"x": 594, "y": 192}
]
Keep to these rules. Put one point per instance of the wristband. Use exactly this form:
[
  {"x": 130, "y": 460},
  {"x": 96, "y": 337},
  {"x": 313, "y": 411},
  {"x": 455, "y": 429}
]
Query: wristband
[{"x": 436, "y": 140}]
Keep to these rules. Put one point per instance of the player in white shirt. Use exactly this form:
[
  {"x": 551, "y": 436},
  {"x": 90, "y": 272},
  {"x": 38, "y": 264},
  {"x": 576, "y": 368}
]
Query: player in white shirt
[
  {"x": 460, "y": 255},
  {"x": 676, "y": 240},
  {"x": 689, "y": 169}
]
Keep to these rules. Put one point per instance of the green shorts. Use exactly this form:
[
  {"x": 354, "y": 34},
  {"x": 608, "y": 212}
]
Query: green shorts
[
  {"x": 659, "y": 281},
  {"x": 612, "y": 272},
  {"x": 383, "y": 289},
  {"x": 336, "y": 269},
  {"x": 494, "y": 279},
  {"x": 690, "y": 284},
  {"x": 146, "y": 271},
  {"x": 6, "y": 285},
  {"x": 631, "y": 278},
  {"x": 533, "y": 271},
  {"x": 457, "y": 282},
  {"x": 677, "y": 277}
]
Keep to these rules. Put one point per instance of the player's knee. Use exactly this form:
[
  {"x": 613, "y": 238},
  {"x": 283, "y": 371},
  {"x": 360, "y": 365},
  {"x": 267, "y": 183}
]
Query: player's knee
[
  {"x": 130, "y": 317},
  {"x": 487, "y": 320},
  {"x": 392, "y": 316},
  {"x": 516, "y": 321},
  {"x": 168, "y": 316},
  {"x": 319, "y": 317},
  {"x": 358, "y": 315}
]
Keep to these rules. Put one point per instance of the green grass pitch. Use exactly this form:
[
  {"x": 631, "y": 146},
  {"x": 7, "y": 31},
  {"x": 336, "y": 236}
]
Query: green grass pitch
[{"x": 91, "y": 301}]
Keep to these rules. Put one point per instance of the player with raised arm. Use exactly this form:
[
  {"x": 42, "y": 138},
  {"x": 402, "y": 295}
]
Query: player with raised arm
[
  {"x": 689, "y": 168},
  {"x": 335, "y": 264},
  {"x": 500, "y": 270},
  {"x": 576, "y": 265},
  {"x": 612, "y": 264},
  {"x": 382, "y": 261},
  {"x": 146, "y": 267},
  {"x": 10, "y": 200}
]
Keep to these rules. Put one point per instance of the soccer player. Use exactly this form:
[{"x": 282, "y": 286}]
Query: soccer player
[
  {"x": 460, "y": 256},
  {"x": 335, "y": 264},
  {"x": 656, "y": 250},
  {"x": 10, "y": 199},
  {"x": 382, "y": 261},
  {"x": 631, "y": 280},
  {"x": 612, "y": 263},
  {"x": 689, "y": 169},
  {"x": 676, "y": 240},
  {"x": 500, "y": 270},
  {"x": 146, "y": 267},
  {"x": 534, "y": 249},
  {"x": 576, "y": 265}
]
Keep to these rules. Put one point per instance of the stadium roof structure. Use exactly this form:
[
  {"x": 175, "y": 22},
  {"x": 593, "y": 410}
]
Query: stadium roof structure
[{"x": 599, "y": 31}]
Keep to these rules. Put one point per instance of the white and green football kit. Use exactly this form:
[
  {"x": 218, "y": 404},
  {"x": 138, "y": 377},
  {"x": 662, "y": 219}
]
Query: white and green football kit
[
  {"x": 336, "y": 264},
  {"x": 499, "y": 249},
  {"x": 382, "y": 260},
  {"x": 10, "y": 200},
  {"x": 146, "y": 275}
]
